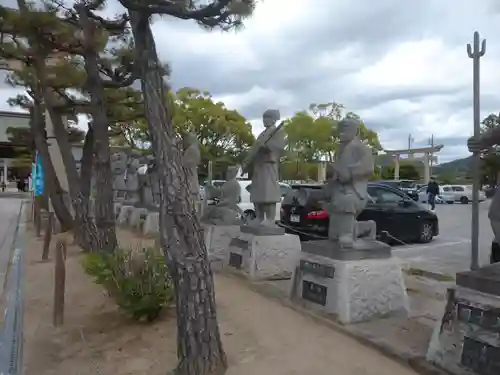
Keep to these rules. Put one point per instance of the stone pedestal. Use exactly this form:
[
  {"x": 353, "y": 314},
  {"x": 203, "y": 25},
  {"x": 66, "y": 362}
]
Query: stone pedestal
[
  {"x": 151, "y": 224},
  {"x": 137, "y": 218},
  {"x": 218, "y": 238},
  {"x": 264, "y": 257},
  {"x": 124, "y": 215},
  {"x": 356, "y": 285},
  {"x": 467, "y": 339}
]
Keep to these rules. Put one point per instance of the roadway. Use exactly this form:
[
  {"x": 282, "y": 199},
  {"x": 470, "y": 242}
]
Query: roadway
[
  {"x": 449, "y": 252},
  {"x": 9, "y": 210}
]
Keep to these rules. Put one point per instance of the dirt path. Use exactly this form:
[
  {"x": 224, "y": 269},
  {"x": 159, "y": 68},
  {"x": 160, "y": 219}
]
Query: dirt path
[{"x": 260, "y": 336}]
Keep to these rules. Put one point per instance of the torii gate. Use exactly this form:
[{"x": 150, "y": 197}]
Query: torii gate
[{"x": 426, "y": 159}]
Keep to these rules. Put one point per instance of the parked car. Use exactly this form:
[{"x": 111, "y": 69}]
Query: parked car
[
  {"x": 245, "y": 205},
  {"x": 443, "y": 196},
  {"x": 462, "y": 193},
  {"x": 407, "y": 186},
  {"x": 391, "y": 209}
]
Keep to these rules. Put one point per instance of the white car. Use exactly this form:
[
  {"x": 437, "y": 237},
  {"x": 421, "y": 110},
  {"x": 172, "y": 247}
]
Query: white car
[
  {"x": 443, "y": 196},
  {"x": 245, "y": 205},
  {"x": 461, "y": 193}
]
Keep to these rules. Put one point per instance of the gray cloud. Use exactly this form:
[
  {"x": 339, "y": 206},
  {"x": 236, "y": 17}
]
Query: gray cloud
[{"x": 296, "y": 53}]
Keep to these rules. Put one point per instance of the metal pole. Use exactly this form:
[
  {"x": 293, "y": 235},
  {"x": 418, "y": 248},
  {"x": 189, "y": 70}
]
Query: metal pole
[{"x": 475, "y": 52}]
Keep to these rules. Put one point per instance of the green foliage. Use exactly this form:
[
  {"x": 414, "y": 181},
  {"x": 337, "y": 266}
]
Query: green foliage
[
  {"x": 138, "y": 281},
  {"x": 490, "y": 159},
  {"x": 407, "y": 171},
  {"x": 224, "y": 134},
  {"x": 313, "y": 134},
  {"x": 298, "y": 170}
]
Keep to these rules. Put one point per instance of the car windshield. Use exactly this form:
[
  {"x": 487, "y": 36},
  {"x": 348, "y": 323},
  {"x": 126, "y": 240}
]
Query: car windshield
[{"x": 407, "y": 184}]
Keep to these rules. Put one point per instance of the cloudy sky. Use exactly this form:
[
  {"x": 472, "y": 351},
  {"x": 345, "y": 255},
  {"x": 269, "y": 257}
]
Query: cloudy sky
[{"x": 401, "y": 65}]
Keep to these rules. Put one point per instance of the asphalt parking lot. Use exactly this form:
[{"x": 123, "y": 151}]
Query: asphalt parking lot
[{"x": 449, "y": 252}]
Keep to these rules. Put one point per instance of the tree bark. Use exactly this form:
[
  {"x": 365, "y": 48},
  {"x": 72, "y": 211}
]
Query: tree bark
[
  {"x": 82, "y": 221},
  {"x": 104, "y": 210},
  {"x": 53, "y": 187},
  {"x": 87, "y": 163},
  {"x": 199, "y": 344}
]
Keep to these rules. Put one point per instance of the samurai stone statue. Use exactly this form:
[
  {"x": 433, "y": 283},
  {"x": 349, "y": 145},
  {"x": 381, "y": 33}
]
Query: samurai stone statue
[
  {"x": 265, "y": 189},
  {"x": 346, "y": 188},
  {"x": 226, "y": 211}
]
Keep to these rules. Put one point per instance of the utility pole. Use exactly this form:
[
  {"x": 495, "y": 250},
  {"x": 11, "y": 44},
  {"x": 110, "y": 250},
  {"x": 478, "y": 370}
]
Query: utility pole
[
  {"x": 410, "y": 141},
  {"x": 475, "y": 52}
]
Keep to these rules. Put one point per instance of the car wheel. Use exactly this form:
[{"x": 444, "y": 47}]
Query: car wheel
[
  {"x": 464, "y": 200},
  {"x": 248, "y": 215},
  {"x": 426, "y": 232}
]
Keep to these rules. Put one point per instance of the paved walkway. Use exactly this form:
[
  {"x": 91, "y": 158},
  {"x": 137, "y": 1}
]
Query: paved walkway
[
  {"x": 9, "y": 210},
  {"x": 283, "y": 342}
]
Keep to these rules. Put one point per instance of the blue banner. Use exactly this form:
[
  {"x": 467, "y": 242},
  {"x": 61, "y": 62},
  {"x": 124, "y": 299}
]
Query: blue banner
[{"x": 38, "y": 178}]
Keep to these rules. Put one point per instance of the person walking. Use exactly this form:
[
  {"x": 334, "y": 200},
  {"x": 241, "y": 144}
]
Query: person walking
[{"x": 432, "y": 193}]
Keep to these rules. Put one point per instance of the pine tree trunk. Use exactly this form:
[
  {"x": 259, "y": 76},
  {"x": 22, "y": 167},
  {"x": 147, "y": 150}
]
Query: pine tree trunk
[
  {"x": 86, "y": 168},
  {"x": 53, "y": 187},
  {"x": 81, "y": 220},
  {"x": 103, "y": 208},
  {"x": 199, "y": 344}
]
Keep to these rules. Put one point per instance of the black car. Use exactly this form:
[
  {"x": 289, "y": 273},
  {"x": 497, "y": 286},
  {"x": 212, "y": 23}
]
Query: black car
[
  {"x": 392, "y": 210},
  {"x": 406, "y": 186}
]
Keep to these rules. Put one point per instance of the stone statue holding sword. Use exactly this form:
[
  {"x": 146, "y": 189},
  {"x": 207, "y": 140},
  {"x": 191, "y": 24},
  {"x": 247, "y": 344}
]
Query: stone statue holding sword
[{"x": 264, "y": 158}]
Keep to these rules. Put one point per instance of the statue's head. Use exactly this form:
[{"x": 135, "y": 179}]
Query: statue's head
[
  {"x": 270, "y": 117},
  {"x": 232, "y": 172},
  {"x": 348, "y": 130}
]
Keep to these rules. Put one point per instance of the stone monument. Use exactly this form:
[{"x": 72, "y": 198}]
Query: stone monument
[
  {"x": 261, "y": 249},
  {"x": 354, "y": 278},
  {"x": 221, "y": 222},
  {"x": 265, "y": 190},
  {"x": 119, "y": 162},
  {"x": 467, "y": 339}
]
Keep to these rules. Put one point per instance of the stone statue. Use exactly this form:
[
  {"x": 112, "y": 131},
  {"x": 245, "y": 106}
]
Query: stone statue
[
  {"x": 486, "y": 140},
  {"x": 191, "y": 160},
  {"x": 132, "y": 180},
  {"x": 265, "y": 189},
  {"x": 119, "y": 167},
  {"x": 346, "y": 188},
  {"x": 226, "y": 211}
]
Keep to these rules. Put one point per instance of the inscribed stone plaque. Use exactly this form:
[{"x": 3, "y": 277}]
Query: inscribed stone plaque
[
  {"x": 314, "y": 292},
  {"x": 317, "y": 269},
  {"x": 482, "y": 358},
  {"x": 235, "y": 260}
]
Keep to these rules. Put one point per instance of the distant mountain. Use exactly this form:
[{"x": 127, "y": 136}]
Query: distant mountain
[{"x": 458, "y": 167}]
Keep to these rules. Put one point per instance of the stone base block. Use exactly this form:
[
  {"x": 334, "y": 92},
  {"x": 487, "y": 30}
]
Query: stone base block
[
  {"x": 137, "y": 218},
  {"x": 264, "y": 257},
  {"x": 354, "y": 291},
  {"x": 467, "y": 340},
  {"x": 151, "y": 224},
  {"x": 362, "y": 249},
  {"x": 262, "y": 230},
  {"x": 124, "y": 216},
  {"x": 218, "y": 238}
]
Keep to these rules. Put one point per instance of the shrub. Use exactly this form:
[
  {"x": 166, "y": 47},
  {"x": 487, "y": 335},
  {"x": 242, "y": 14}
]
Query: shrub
[{"x": 138, "y": 280}]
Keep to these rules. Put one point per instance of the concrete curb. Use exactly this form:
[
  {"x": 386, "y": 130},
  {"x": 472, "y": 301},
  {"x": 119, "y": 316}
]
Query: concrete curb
[{"x": 417, "y": 363}]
